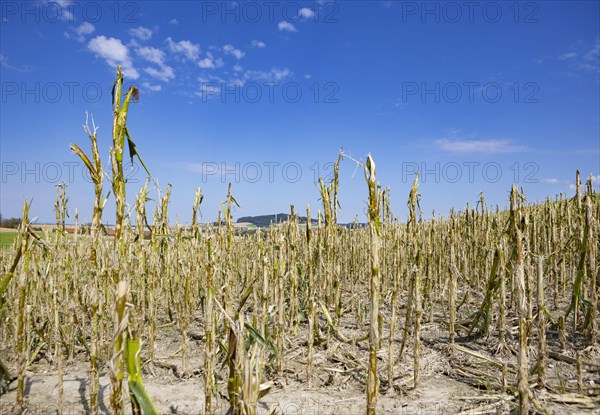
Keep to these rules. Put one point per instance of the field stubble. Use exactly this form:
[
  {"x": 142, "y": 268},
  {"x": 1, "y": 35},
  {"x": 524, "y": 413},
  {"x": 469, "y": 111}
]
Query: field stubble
[{"x": 268, "y": 272}]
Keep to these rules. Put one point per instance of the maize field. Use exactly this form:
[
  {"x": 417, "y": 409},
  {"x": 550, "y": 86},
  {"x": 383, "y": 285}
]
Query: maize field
[{"x": 485, "y": 310}]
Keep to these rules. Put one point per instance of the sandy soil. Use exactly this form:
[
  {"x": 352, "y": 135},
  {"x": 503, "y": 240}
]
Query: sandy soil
[
  {"x": 338, "y": 386},
  {"x": 438, "y": 394}
]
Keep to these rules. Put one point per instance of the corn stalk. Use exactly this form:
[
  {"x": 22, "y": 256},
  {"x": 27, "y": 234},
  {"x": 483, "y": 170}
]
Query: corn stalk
[
  {"x": 97, "y": 175},
  {"x": 517, "y": 227},
  {"x": 119, "y": 133},
  {"x": 375, "y": 233}
]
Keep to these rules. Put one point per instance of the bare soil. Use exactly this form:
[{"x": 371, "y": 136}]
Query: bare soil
[{"x": 452, "y": 381}]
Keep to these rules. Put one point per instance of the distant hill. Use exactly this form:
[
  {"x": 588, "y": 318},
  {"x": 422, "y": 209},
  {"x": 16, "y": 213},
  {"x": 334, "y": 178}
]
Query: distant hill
[{"x": 264, "y": 221}]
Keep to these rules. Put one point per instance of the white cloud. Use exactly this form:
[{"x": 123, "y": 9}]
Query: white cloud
[
  {"x": 142, "y": 33},
  {"x": 583, "y": 57},
  {"x": 165, "y": 73},
  {"x": 208, "y": 89},
  {"x": 23, "y": 68},
  {"x": 594, "y": 53},
  {"x": 210, "y": 62},
  {"x": 567, "y": 56},
  {"x": 387, "y": 4},
  {"x": 174, "y": 21},
  {"x": 279, "y": 74},
  {"x": 114, "y": 53},
  {"x": 230, "y": 50},
  {"x": 306, "y": 13},
  {"x": 190, "y": 50},
  {"x": 85, "y": 28},
  {"x": 153, "y": 88},
  {"x": 81, "y": 31},
  {"x": 286, "y": 26},
  {"x": 61, "y": 9},
  {"x": 274, "y": 75},
  {"x": 588, "y": 67},
  {"x": 211, "y": 85},
  {"x": 206, "y": 63},
  {"x": 151, "y": 54},
  {"x": 571, "y": 185},
  {"x": 478, "y": 146},
  {"x": 237, "y": 68},
  {"x": 258, "y": 44},
  {"x": 595, "y": 179}
]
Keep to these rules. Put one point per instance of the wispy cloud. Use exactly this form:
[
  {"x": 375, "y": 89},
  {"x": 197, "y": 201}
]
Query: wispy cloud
[
  {"x": 63, "y": 6},
  {"x": 142, "y": 33},
  {"x": 498, "y": 146},
  {"x": 595, "y": 180},
  {"x": 208, "y": 88},
  {"x": 286, "y": 27},
  {"x": 151, "y": 54},
  {"x": 153, "y": 88},
  {"x": 593, "y": 54},
  {"x": 306, "y": 13},
  {"x": 164, "y": 72},
  {"x": 174, "y": 21},
  {"x": 211, "y": 85},
  {"x": 190, "y": 50},
  {"x": 567, "y": 56},
  {"x": 570, "y": 183},
  {"x": 274, "y": 75},
  {"x": 210, "y": 62},
  {"x": 5, "y": 63},
  {"x": 258, "y": 44},
  {"x": 231, "y": 50},
  {"x": 80, "y": 32},
  {"x": 583, "y": 57},
  {"x": 114, "y": 52}
]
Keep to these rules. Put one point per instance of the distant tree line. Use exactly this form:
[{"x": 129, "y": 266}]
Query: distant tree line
[
  {"x": 9, "y": 222},
  {"x": 264, "y": 221}
]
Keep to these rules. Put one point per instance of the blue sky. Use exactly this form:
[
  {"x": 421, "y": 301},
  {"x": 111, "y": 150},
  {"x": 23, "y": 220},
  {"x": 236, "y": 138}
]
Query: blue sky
[{"x": 476, "y": 96}]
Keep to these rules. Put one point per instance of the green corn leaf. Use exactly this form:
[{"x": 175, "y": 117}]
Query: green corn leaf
[
  {"x": 142, "y": 398},
  {"x": 136, "y": 385},
  {"x": 133, "y": 151},
  {"x": 245, "y": 297},
  {"x": 255, "y": 335}
]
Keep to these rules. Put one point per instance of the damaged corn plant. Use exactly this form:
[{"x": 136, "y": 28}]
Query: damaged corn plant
[{"x": 506, "y": 296}]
